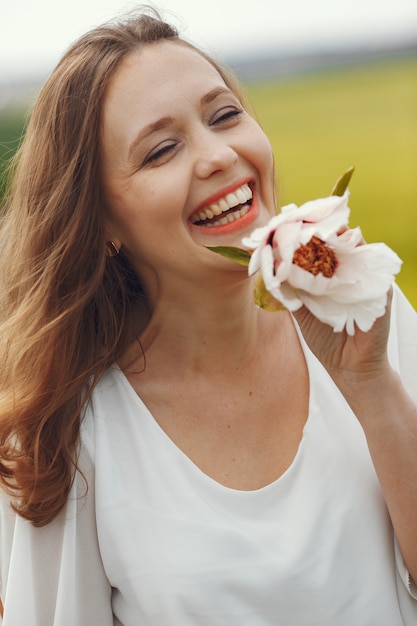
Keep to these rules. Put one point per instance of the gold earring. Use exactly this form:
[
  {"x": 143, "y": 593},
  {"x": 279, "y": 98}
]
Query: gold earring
[{"x": 112, "y": 249}]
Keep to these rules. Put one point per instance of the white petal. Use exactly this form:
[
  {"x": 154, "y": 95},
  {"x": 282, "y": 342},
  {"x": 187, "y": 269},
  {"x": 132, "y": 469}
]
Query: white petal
[
  {"x": 288, "y": 297},
  {"x": 327, "y": 214},
  {"x": 260, "y": 235},
  {"x": 288, "y": 208},
  {"x": 315, "y": 285},
  {"x": 348, "y": 239},
  {"x": 341, "y": 316},
  {"x": 268, "y": 274},
  {"x": 287, "y": 240},
  {"x": 254, "y": 261}
]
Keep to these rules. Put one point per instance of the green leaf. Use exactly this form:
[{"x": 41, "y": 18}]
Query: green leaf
[
  {"x": 343, "y": 182},
  {"x": 235, "y": 254}
]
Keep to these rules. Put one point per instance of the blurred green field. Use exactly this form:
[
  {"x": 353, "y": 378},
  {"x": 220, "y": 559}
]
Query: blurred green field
[
  {"x": 11, "y": 127},
  {"x": 321, "y": 123},
  {"x": 365, "y": 115}
]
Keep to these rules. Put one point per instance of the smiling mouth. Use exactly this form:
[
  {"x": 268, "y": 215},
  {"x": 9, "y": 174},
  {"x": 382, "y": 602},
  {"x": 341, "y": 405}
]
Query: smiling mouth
[{"x": 226, "y": 210}]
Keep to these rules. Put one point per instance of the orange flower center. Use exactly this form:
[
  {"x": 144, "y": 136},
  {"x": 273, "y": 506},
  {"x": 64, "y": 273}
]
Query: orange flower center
[{"x": 316, "y": 257}]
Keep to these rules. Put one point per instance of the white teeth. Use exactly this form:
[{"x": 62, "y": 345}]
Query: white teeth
[
  {"x": 232, "y": 200},
  {"x": 223, "y": 205},
  {"x": 215, "y": 209},
  {"x": 239, "y": 196},
  {"x": 230, "y": 217}
]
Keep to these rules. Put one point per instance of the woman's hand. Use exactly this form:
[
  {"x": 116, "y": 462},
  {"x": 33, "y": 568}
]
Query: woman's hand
[{"x": 348, "y": 359}]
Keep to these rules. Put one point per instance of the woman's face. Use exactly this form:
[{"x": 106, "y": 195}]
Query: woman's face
[{"x": 178, "y": 153}]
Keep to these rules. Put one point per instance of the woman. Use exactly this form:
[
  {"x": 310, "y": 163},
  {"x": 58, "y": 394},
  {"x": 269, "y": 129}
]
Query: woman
[{"x": 175, "y": 455}]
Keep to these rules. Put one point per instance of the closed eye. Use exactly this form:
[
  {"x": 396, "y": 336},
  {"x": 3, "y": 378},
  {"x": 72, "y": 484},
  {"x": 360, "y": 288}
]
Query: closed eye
[
  {"x": 225, "y": 115},
  {"x": 160, "y": 153}
]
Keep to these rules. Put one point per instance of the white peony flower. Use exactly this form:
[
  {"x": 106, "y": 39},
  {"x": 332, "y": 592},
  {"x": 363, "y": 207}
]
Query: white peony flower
[{"x": 308, "y": 256}]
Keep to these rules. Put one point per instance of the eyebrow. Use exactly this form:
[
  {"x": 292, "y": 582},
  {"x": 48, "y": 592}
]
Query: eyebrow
[
  {"x": 165, "y": 121},
  {"x": 148, "y": 130}
]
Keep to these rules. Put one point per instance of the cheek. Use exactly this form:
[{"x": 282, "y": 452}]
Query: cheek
[
  {"x": 259, "y": 150},
  {"x": 133, "y": 211},
  {"x": 264, "y": 150},
  {"x": 263, "y": 158},
  {"x": 147, "y": 223}
]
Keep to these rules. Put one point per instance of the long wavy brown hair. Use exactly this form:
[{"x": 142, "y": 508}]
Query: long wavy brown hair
[{"x": 67, "y": 310}]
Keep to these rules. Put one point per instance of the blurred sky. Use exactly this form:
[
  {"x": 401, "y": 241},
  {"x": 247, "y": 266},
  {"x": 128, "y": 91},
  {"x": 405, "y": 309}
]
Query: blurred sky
[{"x": 34, "y": 33}]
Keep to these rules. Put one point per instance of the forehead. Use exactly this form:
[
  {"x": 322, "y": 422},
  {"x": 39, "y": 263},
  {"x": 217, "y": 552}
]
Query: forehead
[{"x": 159, "y": 72}]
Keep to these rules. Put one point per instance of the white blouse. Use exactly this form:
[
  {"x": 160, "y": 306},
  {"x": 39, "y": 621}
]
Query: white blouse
[{"x": 156, "y": 542}]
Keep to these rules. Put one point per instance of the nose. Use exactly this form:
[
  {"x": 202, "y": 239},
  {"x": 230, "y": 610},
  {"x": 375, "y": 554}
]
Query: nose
[{"x": 214, "y": 154}]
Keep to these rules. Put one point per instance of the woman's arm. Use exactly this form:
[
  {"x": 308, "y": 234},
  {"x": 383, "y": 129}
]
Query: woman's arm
[{"x": 360, "y": 367}]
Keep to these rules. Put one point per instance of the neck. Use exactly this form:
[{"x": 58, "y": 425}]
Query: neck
[{"x": 209, "y": 327}]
